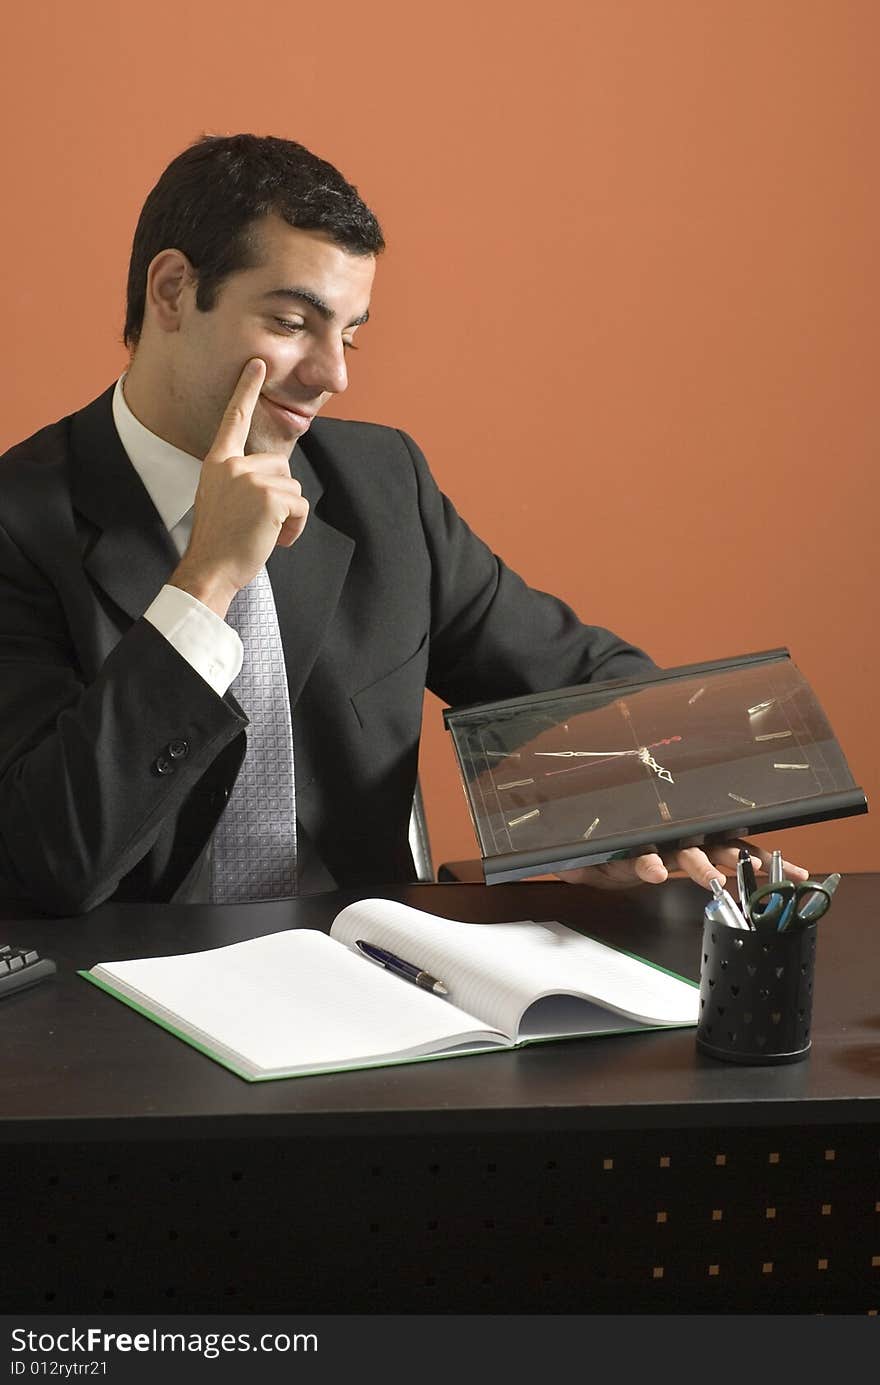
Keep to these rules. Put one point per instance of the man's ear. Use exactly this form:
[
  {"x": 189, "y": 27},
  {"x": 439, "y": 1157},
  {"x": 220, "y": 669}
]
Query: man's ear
[{"x": 171, "y": 283}]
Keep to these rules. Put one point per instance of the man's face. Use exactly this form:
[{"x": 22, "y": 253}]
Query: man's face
[{"x": 297, "y": 310}]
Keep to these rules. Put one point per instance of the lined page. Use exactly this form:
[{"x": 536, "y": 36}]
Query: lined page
[
  {"x": 496, "y": 970},
  {"x": 292, "y": 1001}
]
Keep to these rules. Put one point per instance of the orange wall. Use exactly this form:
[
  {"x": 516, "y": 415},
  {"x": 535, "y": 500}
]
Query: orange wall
[{"x": 629, "y": 305}]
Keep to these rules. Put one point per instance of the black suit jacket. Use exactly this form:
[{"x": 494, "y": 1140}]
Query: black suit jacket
[{"x": 387, "y": 592}]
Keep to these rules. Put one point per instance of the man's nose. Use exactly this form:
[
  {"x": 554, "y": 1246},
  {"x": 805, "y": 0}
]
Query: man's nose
[{"x": 324, "y": 370}]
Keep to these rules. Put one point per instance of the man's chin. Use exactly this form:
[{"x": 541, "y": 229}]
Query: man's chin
[{"x": 260, "y": 440}]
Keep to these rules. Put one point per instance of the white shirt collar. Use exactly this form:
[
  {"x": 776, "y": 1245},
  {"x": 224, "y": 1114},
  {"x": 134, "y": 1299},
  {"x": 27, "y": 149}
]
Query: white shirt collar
[{"x": 169, "y": 475}]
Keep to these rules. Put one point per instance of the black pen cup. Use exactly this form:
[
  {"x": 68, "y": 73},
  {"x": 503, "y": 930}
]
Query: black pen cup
[{"x": 756, "y": 994}]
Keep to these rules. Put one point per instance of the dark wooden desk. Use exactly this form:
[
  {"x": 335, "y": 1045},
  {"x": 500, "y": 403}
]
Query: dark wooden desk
[{"x": 626, "y": 1174}]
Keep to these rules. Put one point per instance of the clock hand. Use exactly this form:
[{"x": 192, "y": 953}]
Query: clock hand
[
  {"x": 577, "y": 754},
  {"x": 643, "y": 753},
  {"x": 604, "y": 754},
  {"x": 648, "y": 759}
]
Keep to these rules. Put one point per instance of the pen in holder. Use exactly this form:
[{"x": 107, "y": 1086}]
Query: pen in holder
[{"x": 756, "y": 993}]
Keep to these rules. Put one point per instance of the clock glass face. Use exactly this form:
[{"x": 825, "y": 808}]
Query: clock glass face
[{"x": 668, "y": 760}]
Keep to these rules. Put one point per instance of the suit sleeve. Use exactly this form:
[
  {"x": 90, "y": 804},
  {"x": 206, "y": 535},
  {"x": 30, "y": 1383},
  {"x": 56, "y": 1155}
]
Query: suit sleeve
[
  {"x": 90, "y": 772},
  {"x": 492, "y": 636}
]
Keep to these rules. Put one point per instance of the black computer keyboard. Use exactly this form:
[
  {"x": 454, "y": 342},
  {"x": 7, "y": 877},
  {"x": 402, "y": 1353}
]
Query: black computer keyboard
[{"x": 20, "y": 967}]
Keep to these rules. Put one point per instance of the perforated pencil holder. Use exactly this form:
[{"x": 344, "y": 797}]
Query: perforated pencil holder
[{"x": 756, "y": 994}]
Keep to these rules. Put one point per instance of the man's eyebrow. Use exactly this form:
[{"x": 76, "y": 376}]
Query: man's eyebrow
[{"x": 306, "y": 296}]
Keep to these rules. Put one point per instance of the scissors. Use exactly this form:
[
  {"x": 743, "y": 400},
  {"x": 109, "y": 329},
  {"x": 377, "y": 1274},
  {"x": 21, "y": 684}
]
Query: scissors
[{"x": 783, "y": 902}]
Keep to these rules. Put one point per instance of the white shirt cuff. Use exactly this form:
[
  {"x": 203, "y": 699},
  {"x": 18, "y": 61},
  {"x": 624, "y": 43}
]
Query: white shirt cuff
[{"x": 199, "y": 635}]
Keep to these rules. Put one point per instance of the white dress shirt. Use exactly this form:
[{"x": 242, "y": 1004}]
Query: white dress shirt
[{"x": 170, "y": 476}]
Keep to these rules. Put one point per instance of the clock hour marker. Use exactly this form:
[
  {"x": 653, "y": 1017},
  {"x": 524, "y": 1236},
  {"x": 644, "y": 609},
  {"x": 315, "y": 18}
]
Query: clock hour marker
[
  {"x": 516, "y": 783},
  {"x": 664, "y": 811},
  {"x": 515, "y": 822},
  {"x": 591, "y": 829},
  {"x": 780, "y": 766},
  {"x": 761, "y": 706},
  {"x": 698, "y": 693},
  {"x": 738, "y": 799},
  {"x": 774, "y": 736}
]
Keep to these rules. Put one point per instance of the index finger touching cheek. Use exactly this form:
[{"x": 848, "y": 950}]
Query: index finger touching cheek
[{"x": 235, "y": 424}]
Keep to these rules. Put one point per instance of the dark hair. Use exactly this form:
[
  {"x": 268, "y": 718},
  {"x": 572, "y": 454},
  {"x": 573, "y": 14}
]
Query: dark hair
[{"x": 209, "y": 197}]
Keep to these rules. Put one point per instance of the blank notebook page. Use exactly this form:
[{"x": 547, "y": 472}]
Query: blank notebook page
[
  {"x": 499, "y": 968},
  {"x": 290, "y": 999}
]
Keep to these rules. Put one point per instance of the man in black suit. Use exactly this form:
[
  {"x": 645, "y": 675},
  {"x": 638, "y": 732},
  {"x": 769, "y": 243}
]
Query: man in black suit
[{"x": 127, "y": 529}]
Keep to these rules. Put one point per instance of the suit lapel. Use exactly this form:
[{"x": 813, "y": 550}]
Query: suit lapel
[
  {"x": 307, "y": 580},
  {"x": 128, "y": 550}
]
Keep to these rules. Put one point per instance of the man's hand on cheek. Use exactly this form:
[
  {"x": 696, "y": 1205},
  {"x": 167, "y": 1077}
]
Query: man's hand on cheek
[{"x": 246, "y": 505}]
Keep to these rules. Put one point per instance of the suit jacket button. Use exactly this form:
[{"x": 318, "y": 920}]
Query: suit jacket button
[
  {"x": 163, "y": 765},
  {"x": 178, "y": 749}
]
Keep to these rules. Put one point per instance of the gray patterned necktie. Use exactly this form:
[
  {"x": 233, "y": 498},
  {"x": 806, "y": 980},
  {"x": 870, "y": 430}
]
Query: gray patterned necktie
[{"x": 254, "y": 845}]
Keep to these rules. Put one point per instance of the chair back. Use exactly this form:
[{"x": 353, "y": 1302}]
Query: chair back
[{"x": 419, "y": 842}]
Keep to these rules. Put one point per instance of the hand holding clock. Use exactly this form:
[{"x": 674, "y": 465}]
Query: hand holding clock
[{"x": 715, "y": 863}]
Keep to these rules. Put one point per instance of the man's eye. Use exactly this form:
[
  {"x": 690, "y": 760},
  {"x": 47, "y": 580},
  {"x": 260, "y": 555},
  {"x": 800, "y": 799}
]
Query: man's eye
[{"x": 289, "y": 326}]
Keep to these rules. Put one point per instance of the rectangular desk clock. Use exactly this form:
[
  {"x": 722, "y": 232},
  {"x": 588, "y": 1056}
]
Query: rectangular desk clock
[{"x": 686, "y": 756}]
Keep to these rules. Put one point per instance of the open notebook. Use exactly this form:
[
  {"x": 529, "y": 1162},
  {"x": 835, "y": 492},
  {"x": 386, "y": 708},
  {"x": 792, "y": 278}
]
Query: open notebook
[{"x": 298, "y": 1002}]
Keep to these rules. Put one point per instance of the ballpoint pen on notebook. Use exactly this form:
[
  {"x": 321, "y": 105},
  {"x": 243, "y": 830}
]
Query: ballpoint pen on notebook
[{"x": 408, "y": 970}]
